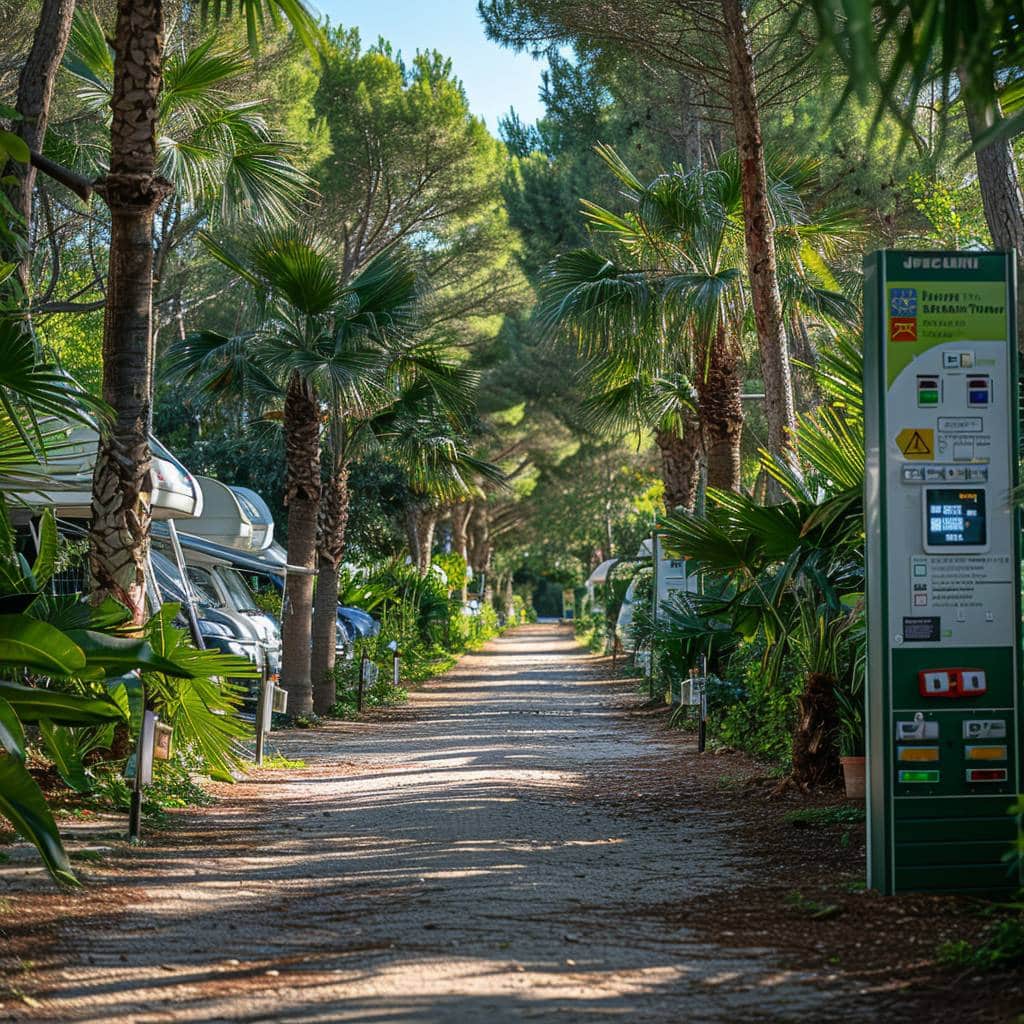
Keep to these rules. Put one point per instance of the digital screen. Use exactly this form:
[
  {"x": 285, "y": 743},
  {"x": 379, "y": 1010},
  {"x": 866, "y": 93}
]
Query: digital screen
[{"x": 955, "y": 517}]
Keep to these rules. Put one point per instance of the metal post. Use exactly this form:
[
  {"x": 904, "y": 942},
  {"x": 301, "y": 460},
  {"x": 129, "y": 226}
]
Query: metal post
[
  {"x": 135, "y": 807},
  {"x": 363, "y": 662},
  {"x": 186, "y": 586},
  {"x": 702, "y": 708},
  {"x": 395, "y": 673},
  {"x": 261, "y": 721}
]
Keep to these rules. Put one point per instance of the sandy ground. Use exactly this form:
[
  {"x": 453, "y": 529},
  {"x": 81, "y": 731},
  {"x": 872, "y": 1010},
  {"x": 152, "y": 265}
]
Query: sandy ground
[{"x": 441, "y": 863}]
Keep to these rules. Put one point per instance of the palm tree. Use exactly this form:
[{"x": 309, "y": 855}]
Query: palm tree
[
  {"x": 315, "y": 350},
  {"x": 172, "y": 126},
  {"x": 791, "y": 573},
  {"x": 134, "y": 188},
  {"x": 413, "y": 373},
  {"x": 669, "y": 299},
  {"x": 624, "y": 396}
]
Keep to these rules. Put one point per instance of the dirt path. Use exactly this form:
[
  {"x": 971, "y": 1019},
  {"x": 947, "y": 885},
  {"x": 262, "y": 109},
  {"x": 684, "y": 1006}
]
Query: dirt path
[{"x": 440, "y": 864}]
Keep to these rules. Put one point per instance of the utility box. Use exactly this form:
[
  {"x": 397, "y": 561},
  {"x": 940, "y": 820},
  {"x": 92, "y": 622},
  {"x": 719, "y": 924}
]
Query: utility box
[{"x": 943, "y": 570}]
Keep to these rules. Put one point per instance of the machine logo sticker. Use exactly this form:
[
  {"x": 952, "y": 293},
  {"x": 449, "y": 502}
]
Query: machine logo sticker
[
  {"x": 902, "y": 328},
  {"x": 903, "y": 302}
]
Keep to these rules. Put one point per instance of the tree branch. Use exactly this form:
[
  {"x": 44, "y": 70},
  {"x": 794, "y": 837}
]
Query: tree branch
[{"x": 78, "y": 183}]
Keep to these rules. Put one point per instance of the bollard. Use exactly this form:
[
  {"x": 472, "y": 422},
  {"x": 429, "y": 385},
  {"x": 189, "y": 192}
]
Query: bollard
[{"x": 394, "y": 662}]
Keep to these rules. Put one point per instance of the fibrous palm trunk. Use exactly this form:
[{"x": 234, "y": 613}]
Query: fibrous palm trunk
[
  {"x": 1001, "y": 194},
  {"x": 815, "y": 756},
  {"x": 759, "y": 235},
  {"x": 330, "y": 549},
  {"x": 119, "y": 536},
  {"x": 35, "y": 90},
  {"x": 302, "y": 497},
  {"x": 680, "y": 464},
  {"x": 720, "y": 393}
]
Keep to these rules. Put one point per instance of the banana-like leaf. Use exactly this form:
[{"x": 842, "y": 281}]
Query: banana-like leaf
[
  {"x": 122, "y": 654},
  {"x": 12, "y": 736},
  {"x": 65, "y": 754},
  {"x": 27, "y": 642},
  {"x": 23, "y": 805},
  {"x": 33, "y": 703},
  {"x": 126, "y": 692},
  {"x": 42, "y": 567}
]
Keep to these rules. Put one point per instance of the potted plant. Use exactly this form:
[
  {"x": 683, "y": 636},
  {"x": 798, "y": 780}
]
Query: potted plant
[{"x": 850, "y": 708}]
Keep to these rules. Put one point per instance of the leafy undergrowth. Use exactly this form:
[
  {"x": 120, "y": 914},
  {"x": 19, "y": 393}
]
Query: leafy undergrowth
[{"x": 176, "y": 784}]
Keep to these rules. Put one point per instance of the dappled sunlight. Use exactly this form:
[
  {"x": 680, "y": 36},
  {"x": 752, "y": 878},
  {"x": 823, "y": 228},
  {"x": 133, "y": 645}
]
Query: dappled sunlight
[{"x": 437, "y": 868}]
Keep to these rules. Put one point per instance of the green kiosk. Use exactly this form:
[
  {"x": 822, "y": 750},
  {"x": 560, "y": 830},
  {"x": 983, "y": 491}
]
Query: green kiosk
[{"x": 943, "y": 570}]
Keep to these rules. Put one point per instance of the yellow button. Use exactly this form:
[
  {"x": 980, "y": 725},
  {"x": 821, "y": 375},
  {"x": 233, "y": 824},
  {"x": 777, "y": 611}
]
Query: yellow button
[
  {"x": 917, "y": 753},
  {"x": 985, "y": 753}
]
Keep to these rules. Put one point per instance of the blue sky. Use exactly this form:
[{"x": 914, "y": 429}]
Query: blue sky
[{"x": 495, "y": 78}]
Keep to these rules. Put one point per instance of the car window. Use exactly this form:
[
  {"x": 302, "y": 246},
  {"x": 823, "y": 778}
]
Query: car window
[
  {"x": 203, "y": 585},
  {"x": 241, "y": 596}
]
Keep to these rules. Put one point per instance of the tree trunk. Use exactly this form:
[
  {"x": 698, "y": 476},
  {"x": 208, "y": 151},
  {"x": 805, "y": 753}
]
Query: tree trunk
[
  {"x": 760, "y": 240},
  {"x": 1000, "y": 190},
  {"x": 680, "y": 465},
  {"x": 35, "y": 90},
  {"x": 461, "y": 515},
  {"x": 119, "y": 536},
  {"x": 720, "y": 392},
  {"x": 412, "y": 534},
  {"x": 815, "y": 754},
  {"x": 426, "y": 523},
  {"x": 302, "y": 498},
  {"x": 330, "y": 549}
]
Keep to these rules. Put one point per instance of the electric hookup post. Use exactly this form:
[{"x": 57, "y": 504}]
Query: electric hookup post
[{"x": 943, "y": 570}]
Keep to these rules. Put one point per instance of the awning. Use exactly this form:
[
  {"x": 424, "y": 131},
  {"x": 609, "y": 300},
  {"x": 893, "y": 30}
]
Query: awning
[
  {"x": 602, "y": 572},
  {"x": 272, "y": 561}
]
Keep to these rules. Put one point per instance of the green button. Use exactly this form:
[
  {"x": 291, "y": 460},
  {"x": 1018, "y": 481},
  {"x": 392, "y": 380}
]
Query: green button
[
  {"x": 919, "y": 776},
  {"x": 927, "y": 396}
]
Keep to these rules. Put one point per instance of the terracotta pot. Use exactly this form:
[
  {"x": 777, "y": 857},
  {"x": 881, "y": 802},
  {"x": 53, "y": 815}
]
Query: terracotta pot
[{"x": 853, "y": 776}]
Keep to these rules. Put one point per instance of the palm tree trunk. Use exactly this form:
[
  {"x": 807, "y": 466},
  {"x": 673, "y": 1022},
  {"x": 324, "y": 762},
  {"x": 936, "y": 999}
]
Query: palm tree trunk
[
  {"x": 461, "y": 515},
  {"x": 720, "y": 392},
  {"x": 815, "y": 756},
  {"x": 759, "y": 235},
  {"x": 35, "y": 90},
  {"x": 1001, "y": 194},
  {"x": 331, "y": 548},
  {"x": 680, "y": 465},
  {"x": 302, "y": 498},
  {"x": 426, "y": 523},
  {"x": 119, "y": 536}
]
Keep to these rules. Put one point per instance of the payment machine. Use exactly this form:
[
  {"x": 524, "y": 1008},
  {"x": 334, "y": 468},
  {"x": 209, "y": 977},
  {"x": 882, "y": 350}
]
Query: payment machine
[{"x": 943, "y": 570}]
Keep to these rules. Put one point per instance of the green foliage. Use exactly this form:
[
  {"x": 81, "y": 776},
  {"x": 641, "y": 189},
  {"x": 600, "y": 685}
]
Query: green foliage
[
  {"x": 202, "y": 709},
  {"x": 823, "y": 817},
  {"x": 1001, "y": 948},
  {"x": 454, "y": 567},
  {"x": 753, "y": 712}
]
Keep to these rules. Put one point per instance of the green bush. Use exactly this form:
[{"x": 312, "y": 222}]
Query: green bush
[{"x": 750, "y": 713}]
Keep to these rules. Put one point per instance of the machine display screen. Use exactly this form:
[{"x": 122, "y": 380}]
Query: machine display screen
[{"x": 955, "y": 518}]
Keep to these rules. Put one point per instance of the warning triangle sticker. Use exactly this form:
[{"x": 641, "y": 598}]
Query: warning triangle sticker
[{"x": 916, "y": 443}]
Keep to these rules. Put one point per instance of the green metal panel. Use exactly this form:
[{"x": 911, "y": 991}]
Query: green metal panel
[{"x": 942, "y": 570}]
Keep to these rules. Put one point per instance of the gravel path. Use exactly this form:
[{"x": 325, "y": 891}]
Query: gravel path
[{"x": 438, "y": 864}]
